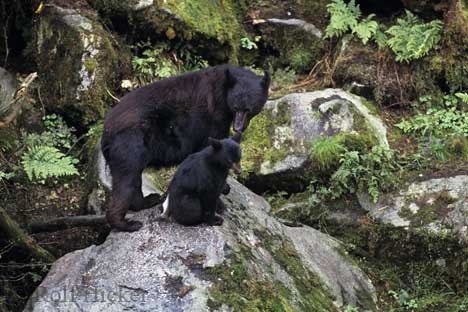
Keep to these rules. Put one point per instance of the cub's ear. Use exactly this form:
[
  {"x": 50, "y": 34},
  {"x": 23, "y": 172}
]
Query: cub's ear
[
  {"x": 266, "y": 80},
  {"x": 215, "y": 143},
  {"x": 230, "y": 79}
]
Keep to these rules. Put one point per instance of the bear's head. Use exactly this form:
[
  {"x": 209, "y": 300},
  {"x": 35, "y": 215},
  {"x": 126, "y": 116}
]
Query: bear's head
[
  {"x": 247, "y": 93},
  {"x": 227, "y": 153}
]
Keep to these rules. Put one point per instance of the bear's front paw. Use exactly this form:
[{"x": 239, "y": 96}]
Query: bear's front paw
[{"x": 217, "y": 220}]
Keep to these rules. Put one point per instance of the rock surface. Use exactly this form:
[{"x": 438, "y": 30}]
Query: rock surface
[
  {"x": 7, "y": 90},
  {"x": 436, "y": 205},
  {"x": 78, "y": 64},
  {"x": 251, "y": 262},
  {"x": 212, "y": 27},
  {"x": 277, "y": 143}
]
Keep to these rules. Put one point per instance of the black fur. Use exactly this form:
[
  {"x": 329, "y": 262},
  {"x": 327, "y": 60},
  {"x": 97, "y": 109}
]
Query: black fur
[
  {"x": 200, "y": 180},
  {"x": 162, "y": 123}
]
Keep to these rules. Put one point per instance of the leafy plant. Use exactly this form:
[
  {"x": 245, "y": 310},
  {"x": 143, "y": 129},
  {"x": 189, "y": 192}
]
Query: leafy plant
[
  {"x": 351, "y": 308},
  {"x": 366, "y": 28},
  {"x": 6, "y": 175},
  {"x": 300, "y": 59},
  {"x": 42, "y": 162},
  {"x": 438, "y": 149},
  {"x": 283, "y": 77},
  {"x": 248, "y": 44},
  {"x": 438, "y": 122},
  {"x": 411, "y": 39},
  {"x": 373, "y": 172},
  {"x": 462, "y": 96},
  {"x": 152, "y": 65},
  {"x": 46, "y": 152},
  {"x": 404, "y": 299},
  {"x": 62, "y": 135},
  {"x": 344, "y": 17}
]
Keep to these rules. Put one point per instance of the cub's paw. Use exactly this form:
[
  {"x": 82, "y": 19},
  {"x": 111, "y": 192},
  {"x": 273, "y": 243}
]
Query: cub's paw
[
  {"x": 217, "y": 221},
  {"x": 226, "y": 189}
]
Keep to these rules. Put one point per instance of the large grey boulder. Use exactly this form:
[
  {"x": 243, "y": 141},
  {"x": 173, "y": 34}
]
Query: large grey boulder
[
  {"x": 277, "y": 144},
  {"x": 78, "y": 62},
  {"x": 251, "y": 262},
  {"x": 438, "y": 205}
]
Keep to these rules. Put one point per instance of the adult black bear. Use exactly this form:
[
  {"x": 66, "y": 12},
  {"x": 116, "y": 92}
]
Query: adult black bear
[
  {"x": 162, "y": 123},
  {"x": 194, "y": 191}
]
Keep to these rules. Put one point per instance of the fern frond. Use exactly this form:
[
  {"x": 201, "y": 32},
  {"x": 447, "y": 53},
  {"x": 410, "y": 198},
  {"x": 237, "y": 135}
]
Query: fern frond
[
  {"x": 42, "y": 162},
  {"x": 462, "y": 96},
  {"x": 343, "y": 17},
  {"x": 411, "y": 39},
  {"x": 366, "y": 28}
]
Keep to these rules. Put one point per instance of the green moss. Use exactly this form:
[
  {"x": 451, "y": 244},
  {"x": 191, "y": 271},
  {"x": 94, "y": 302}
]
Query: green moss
[
  {"x": 217, "y": 19},
  {"x": 370, "y": 106},
  {"x": 258, "y": 144},
  {"x": 432, "y": 207},
  {"x": 8, "y": 140},
  {"x": 458, "y": 147},
  {"x": 235, "y": 287},
  {"x": 80, "y": 55},
  {"x": 314, "y": 295},
  {"x": 301, "y": 60}
]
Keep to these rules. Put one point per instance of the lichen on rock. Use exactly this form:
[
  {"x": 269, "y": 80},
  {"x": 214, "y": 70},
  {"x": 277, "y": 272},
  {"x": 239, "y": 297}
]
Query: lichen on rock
[
  {"x": 439, "y": 206},
  {"x": 278, "y": 142},
  {"x": 78, "y": 63}
]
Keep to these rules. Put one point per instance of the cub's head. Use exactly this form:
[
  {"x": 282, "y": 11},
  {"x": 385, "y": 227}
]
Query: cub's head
[
  {"x": 247, "y": 93},
  {"x": 227, "y": 152}
]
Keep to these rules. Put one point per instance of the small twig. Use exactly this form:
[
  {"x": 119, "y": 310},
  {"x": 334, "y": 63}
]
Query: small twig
[
  {"x": 112, "y": 96},
  {"x": 5, "y": 34},
  {"x": 397, "y": 103},
  {"x": 18, "y": 100},
  {"x": 74, "y": 144},
  {"x": 399, "y": 83}
]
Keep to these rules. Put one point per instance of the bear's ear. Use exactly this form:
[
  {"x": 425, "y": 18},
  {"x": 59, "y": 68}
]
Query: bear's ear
[
  {"x": 215, "y": 143},
  {"x": 230, "y": 79},
  {"x": 266, "y": 80}
]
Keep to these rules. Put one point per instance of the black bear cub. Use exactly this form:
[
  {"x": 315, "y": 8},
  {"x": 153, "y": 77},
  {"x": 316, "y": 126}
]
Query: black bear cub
[{"x": 194, "y": 191}]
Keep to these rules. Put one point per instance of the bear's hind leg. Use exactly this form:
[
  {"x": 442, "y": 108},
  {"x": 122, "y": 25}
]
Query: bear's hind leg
[{"x": 122, "y": 197}]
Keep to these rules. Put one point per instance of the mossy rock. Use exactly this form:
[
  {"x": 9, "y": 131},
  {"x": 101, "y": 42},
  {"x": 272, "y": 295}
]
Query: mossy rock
[
  {"x": 213, "y": 28},
  {"x": 438, "y": 206},
  {"x": 277, "y": 144},
  {"x": 250, "y": 263},
  {"x": 78, "y": 63}
]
